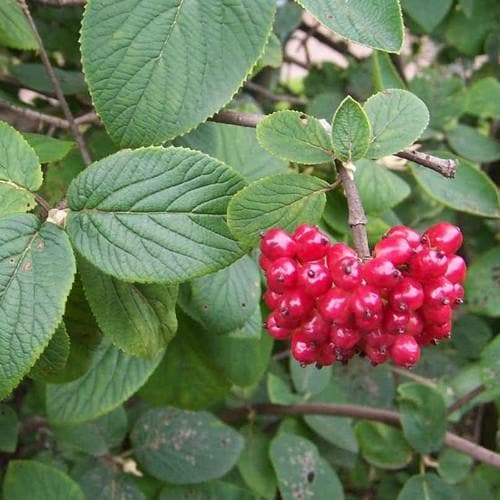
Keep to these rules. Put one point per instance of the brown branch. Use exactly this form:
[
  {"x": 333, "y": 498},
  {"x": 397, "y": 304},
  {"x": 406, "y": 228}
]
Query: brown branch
[
  {"x": 293, "y": 60},
  {"x": 445, "y": 167},
  {"x": 263, "y": 91},
  {"x": 250, "y": 120},
  {"x": 466, "y": 398},
  {"x": 57, "y": 87},
  {"x": 363, "y": 412}
]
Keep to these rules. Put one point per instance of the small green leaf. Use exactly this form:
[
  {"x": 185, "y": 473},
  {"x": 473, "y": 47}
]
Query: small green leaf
[
  {"x": 385, "y": 75},
  {"x": 299, "y": 467},
  {"x": 280, "y": 392},
  {"x": 9, "y": 427},
  {"x": 37, "y": 268},
  {"x": 482, "y": 286},
  {"x": 483, "y": 98},
  {"x": 309, "y": 380},
  {"x": 454, "y": 466},
  {"x": 154, "y": 215},
  {"x": 184, "y": 447},
  {"x": 398, "y": 118},
  {"x": 351, "y": 132},
  {"x": 379, "y": 188},
  {"x": 113, "y": 377},
  {"x": 279, "y": 200},
  {"x": 468, "y": 142},
  {"x": 48, "y": 149},
  {"x": 295, "y": 137},
  {"x": 15, "y": 32},
  {"x": 427, "y": 13},
  {"x": 383, "y": 446},
  {"x": 377, "y": 24},
  {"x": 426, "y": 487},
  {"x": 471, "y": 190},
  {"x": 138, "y": 318},
  {"x": 470, "y": 333},
  {"x": 423, "y": 416},
  {"x": 24, "y": 477},
  {"x": 490, "y": 366}
]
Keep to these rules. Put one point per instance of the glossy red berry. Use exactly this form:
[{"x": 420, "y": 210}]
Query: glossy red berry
[
  {"x": 457, "y": 297},
  {"x": 264, "y": 262},
  {"x": 378, "y": 339},
  {"x": 337, "y": 252},
  {"x": 395, "y": 248},
  {"x": 316, "y": 328},
  {"x": 443, "y": 236},
  {"x": 277, "y": 243},
  {"x": 438, "y": 331},
  {"x": 405, "y": 351},
  {"x": 303, "y": 229},
  {"x": 272, "y": 299},
  {"x": 346, "y": 273},
  {"x": 326, "y": 355},
  {"x": 407, "y": 295},
  {"x": 276, "y": 331},
  {"x": 314, "y": 279},
  {"x": 345, "y": 337},
  {"x": 303, "y": 350},
  {"x": 334, "y": 306},
  {"x": 415, "y": 324},
  {"x": 456, "y": 270},
  {"x": 395, "y": 322},
  {"x": 282, "y": 275},
  {"x": 296, "y": 305},
  {"x": 381, "y": 273},
  {"x": 377, "y": 355},
  {"x": 438, "y": 292},
  {"x": 410, "y": 235},
  {"x": 368, "y": 320},
  {"x": 437, "y": 315},
  {"x": 312, "y": 245},
  {"x": 428, "y": 264},
  {"x": 366, "y": 301}
]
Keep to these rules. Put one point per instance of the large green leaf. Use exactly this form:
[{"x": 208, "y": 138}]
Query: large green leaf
[
  {"x": 295, "y": 137},
  {"x": 483, "y": 98},
  {"x": 377, "y": 23},
  {"x": 454, "y": 466},
  {"x": 113, "y": 377},
  {"x": 385, "y": 75},
  {"x": 15, "y": 32},
  {"x": 138, "y": 318},
  {"x": 468, "y": 142},
  {"x": 20, "y": 172},
  {"x": 24, "y": 477},
  {"x": 351, "y": 131},
  {"x": 212, "y": 490},
  {"x": 154, "y": 215},
  {"x": 48, "y": 149},
  {"x": 235, "y": 146},
  {"x": 184, "y": 447},
  {"x": 471, "y": 190},
  {"x": 136, "y": 65},
  {"x": 299, "y": 467},
  {"x": 279, "y": 200},
  {"x": 36, "y": 272},
  {"x": 427, "y": 13},
  {"x": 426, "y": 487},
  {"x": 398, "y": 118},
  {"x": 483, "y": 286}
]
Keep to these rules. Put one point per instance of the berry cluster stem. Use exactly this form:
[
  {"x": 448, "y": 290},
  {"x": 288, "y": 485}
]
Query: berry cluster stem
[{"x": 357, "y": 217}]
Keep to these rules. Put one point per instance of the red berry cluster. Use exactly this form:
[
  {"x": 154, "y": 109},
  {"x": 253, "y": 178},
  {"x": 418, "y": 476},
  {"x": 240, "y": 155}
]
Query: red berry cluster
[{"x": 332, "y": 306}]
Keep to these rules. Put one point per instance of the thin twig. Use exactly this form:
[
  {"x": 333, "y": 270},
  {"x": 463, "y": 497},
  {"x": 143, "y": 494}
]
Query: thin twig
[
  {"x": 445, "y": 167},
  {"x": 466, "y": 398},
  {"x": 413, "y": 376},
  {"x": 250, "y": 120},
  {"x": 288, "y": 58},
  {"x": 275, "y": 97},
  {"x": 57, "y": 87}
]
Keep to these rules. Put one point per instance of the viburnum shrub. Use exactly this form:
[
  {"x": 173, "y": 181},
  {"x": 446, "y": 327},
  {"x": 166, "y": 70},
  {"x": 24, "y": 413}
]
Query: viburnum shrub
[{"x": 175, "y": 174}]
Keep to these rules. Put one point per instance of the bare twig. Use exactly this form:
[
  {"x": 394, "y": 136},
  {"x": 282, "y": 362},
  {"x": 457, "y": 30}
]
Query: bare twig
[
  {"x": 293, "y": 60},
  {"x": 445, "y": 167},
  {"x": 255, "y": 87},
  {"x": 250, "y": 120},
  {"x": 413, "y": 376},
  {"x": 57, "y": 87},
  {"x": 466, "y": 398}
]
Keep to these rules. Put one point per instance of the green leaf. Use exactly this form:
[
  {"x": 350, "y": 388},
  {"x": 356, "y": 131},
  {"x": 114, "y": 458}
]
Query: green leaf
[
  {"x": 490, "y": 365},
  {"x": 184, "y": 447},
  {"x": 471, "y": 191},
  {"x": 219, "y": 301},
  {"x": 426, "y": 487},
  {"x": 351, "y": 132},
  {"x": 398, "y": 118},
  {"x": 154, "y": 215},
  {"x": 235, "y": 146},
  {"x": 427, "y": 13},
  {"x": 470, "y": 333},
  {"x": 296, "y": 137},
  {"x": 279, "y": 200},
  {"x": 48, "y": 149},
  {"x": 35, "y": 76},
  {"x": 379, "y": 188},
  {"x": 280, "y": 392},
  {"x": 273, "y": 55},
  {"x": 15, "y": 32},
  {"x": 454, "y": 466},
  {"x": 20, "y": 172},
  {"x": 483, "y": 98},
  {"x": 139, "y": 319},
  {"x": 53, "y": 358},
  {"x": 385, "y": 75},
  {"x": 377, "y": 24},
  {"x": 299, "y": 467},
  {"x": 482, "y": 285},
  {"x": 309, "y": 380},
  {"x": 254, "y": 464},
  {"x": 9, "y": 427},
  {"x": 423, "y": 416},
  {"x": 136, "y": 65},
  {"x": 113, "y": 377},
  {"x": 213, "y": 490},
  {"x": 383, "y": 446},
  {"x": 468, "y": 142},
  {"x": 24, "y": 477},
  {"x": 36, "y": 272}
]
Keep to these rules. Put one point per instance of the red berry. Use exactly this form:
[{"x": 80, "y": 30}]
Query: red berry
[
  {"x": 326, "y": 355},
  {"x": 378, "y": 339},
  {"x": 316, "y": 329},
  {"x": 437, "y": 315},
  {"x": 346, "y": 273},
  {"x": 405, "y": 351},
  {"x": 407, "y": 295},
  {"x": 368, "y": 320},
  {"x": 272, "y": 299},
  {"x": 410, "y": 235},
  {"x": 415, "y": 324},
  {"x": 438, "y": 331},
  {"x": 264, "y": 262},
  {"x": 457, "y": 297},
  {"x": 277, "y": 243},
  {"x": 456, "y": 269},
  {"x": 377, "y": 355},
  {"x": 345, "y": 337},
  {"x": 381, "y": 272},
  {"x": 334, "y": 306},
  {"x": 314, "y": 278},
  {"x": 303, "y": 229},
  {"x": 276, "y": 331},
  {"x": 395, "y": 248},
  {"x": 282, "y": 275},
  {"x": 438, "y": 292},
  {"x": 366, "y": 301},
  {"x": 303, "y": 350},
  {"x": 311, "y": 245},
  {"x": 395, "y": 322},
  {"x": 443, "y": 236},
  {"x": 296, "y": 305},
  {"x": 337, "y": 252},
  {"x": 428, "y": 264}
]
